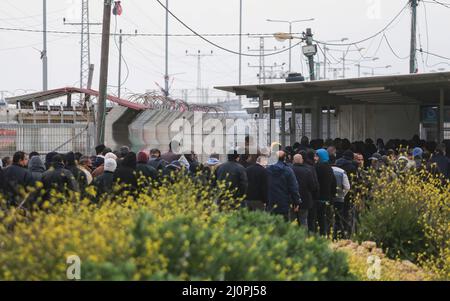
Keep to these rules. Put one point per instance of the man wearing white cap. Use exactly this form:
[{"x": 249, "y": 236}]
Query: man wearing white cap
[{"x": 104, "y": 183}]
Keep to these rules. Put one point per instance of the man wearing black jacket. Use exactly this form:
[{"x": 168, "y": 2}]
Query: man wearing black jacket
[
  {"x": 258, "y": 184},
  {"x": 327, "y": 192},
  {"x": 233, "y": 174},
  {"x": 18, "y": 177},
  {"x": 308, "y": 187},
  {"x": 58, "y": 177}
]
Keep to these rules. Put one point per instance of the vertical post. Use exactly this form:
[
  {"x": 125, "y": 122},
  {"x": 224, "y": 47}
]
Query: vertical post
[
  {"x": 329, "y": 122},
  {"x": 293, "y": 132},
  {"x": 240, "y": 48},
  {"x": 325, "y": 62},
  {"x": 441, "y": 115},
  {"x": 119, "y": 84},
  {"x": 316, "y": 120},
  {"x": 412, "y": 56},
  {"x": 290, "y": 47},
  {"x": 283, "y": 123},
  {"x": 166, "y": 76},
  {"x": 359, "y": 70},
  {"x": 303, "y": 122},
  {"x": 309, "y": 42},
  {"x": 271, "y": 119},
  {"x": 261, "y": 105},
  {"x": 44, "y": 51},
  {"x": 103, "y": 72},
  {"x": 343, "y": 65}
]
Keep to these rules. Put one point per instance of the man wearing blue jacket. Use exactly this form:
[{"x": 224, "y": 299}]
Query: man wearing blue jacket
[{"x": 283, "y": 188}]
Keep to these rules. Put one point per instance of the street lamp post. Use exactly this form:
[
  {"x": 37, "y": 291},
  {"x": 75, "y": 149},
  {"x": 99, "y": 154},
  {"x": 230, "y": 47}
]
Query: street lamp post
[
  {"x": 290, "y": 33},
  {"x": 325, "y": 54}
]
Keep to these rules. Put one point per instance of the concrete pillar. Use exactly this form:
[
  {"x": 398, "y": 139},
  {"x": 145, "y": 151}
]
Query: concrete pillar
[
  {"x": 293, "y": 127},
  {"x": 261, "y": 105},
  {"x": 271, "y": 120},
  {"x": 441, "y": 116},
  {"x": 329, "y": 122},
  {"x": 283, "y": 123},
  {"x": 303, "y": 122},
  {"x": 316, "y": 120}
]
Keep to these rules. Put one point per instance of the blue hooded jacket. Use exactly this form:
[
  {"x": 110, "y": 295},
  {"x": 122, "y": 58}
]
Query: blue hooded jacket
[{"x": 324, "y": 157}]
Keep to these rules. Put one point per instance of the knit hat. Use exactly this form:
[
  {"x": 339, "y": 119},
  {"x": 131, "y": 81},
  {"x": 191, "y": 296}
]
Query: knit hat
[
  {"x": 110, "y": 156},
  {"x": 376, "y": 157},
  {"x": 348, "y": 154},
  {"x": 142, "y": 157},
  {"x": 110, "y": 165},
  {"x": 417, "y": 152},
  {"x": 324, "y": 157}
]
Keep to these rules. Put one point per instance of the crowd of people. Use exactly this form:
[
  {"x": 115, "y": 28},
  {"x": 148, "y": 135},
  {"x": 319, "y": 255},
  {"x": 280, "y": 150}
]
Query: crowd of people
[{"x": 310, "y": 182}]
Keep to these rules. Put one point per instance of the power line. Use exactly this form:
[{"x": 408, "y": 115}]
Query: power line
[
  {"x": 216, "y": 45},
  {"x": 369, "y": 38},
  {"x": 433, "y": 54},
  {"x": 158, "y": 35}
]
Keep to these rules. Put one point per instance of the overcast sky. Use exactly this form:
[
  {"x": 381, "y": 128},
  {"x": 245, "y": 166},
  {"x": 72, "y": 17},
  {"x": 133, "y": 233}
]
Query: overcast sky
[{"x": 355, "y": 19}]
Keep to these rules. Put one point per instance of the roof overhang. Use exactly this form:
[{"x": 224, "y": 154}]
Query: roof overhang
[
  {"x": 43, "y": 96},
  {"x": 420, "y": 89}
]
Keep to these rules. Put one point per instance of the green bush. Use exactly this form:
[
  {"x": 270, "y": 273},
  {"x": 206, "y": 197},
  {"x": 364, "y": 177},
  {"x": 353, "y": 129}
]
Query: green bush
[
  {"x": 237, "y": 246},
  {"x": 409, "y": 217}
]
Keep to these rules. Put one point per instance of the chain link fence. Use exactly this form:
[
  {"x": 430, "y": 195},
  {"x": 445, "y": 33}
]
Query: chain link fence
[{"x": 45, "y": 138}]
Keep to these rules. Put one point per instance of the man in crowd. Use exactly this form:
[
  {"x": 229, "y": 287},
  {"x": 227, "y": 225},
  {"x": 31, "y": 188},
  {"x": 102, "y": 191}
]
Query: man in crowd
[
  {"x": 327, "y": 192},
  {"x": 58, "y": 177},
  {"x": 104, "y": 182},
  {"x": 18, "y": 177},
  {"x": 283, "y": 188},
  {"x": 233, "y": 174},
  {"x": 258, "y": 183},
  {"x": 308, "y": 186}
]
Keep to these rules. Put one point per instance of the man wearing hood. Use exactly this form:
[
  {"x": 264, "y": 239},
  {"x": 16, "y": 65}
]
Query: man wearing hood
[
  {"x": 58, "y": 177},
  {"x": 104, "y": 182},
  {"x": 144, "y": 169},
  {"x": 283, "y": 188},
  {"x": 125, "y": 174},
  {"x": 327, "y": 191},
  {"x": 36, "y": 167},
  {"x": 79, "y": 175}
]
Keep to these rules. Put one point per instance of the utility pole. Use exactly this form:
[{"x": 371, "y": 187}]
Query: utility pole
[
  {"x": 119, "y": 84},
  {"x": 199, "y": 56},
  {"x": 309, "y": 51},
  {"x": 262, "y": 54},
  {"x": 85, "y": 50},
  {"x": 166, "y": 76},
  {"x": 240, "y": 42},
  {"x": 44, "y": 51},
  {"x": 101, "y": 110},
  {"x": 412, "y": 57}
]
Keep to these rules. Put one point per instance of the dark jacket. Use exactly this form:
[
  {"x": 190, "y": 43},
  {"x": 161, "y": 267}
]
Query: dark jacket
[
  {"x": 327, "y": 182},
  {"x": 258, "y": 183},
  {"x": 170, "y": 157},
  {"x": 307, "y": 183},
  {"x": 283, "y": 188},
  {"x": 158, "y": 164},
  {"x": 147, "y": 171},
  {"x": 17, "y": 176},
  {"x": 36, "y": 167},
  {"x": 2, "y": 181},
  {"x": 235, "y": 176},
  {"x": 442, "y": 164},
  {"x": 104, "y": 183},
  {"x": 349, "y": 166},
  {"x": 57, "y": 177},
  {"x": 126, "y": 171}
]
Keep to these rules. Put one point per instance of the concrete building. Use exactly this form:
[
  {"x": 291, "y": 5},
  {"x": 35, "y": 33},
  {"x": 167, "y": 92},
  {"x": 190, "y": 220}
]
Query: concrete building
[{"x": 387, "y": 107}]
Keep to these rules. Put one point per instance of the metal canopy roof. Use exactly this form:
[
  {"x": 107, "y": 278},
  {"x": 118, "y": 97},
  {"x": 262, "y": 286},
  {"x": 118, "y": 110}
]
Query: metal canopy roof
[
  {"x": 396, "y": 89},
  {"x": 56, "y": 93}
]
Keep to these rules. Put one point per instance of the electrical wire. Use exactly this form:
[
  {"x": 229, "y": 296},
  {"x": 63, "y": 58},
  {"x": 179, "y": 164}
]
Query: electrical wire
[
  {"x": 433, "y": 54},
  {"x": 221, "y": 47},
  {"x": 368, "y": 38},
  {"x": 392, "y": 50}
]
